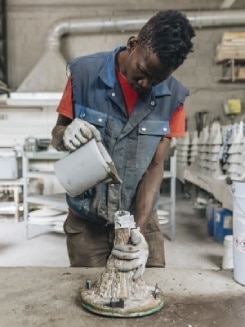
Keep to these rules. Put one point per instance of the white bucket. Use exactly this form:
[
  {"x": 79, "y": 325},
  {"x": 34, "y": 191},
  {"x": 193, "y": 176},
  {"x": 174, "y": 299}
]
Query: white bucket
[
  {"x": 86, "y": 167},
  {"x": 238, "y": 190}
]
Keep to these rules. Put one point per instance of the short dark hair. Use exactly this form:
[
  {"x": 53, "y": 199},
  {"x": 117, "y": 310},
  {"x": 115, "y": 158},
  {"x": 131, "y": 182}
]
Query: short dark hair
[{"x": 168, "y": 34}]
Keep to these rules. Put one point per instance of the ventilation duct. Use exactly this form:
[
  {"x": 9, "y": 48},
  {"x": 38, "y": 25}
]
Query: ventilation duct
[{"x": 48, "y": 75}]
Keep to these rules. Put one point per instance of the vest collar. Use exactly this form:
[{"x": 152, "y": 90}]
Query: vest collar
[
  {"x": 108, "y": 76},
  {"x": 107, "y": 73},
  {"x": 162, "y": 88}
]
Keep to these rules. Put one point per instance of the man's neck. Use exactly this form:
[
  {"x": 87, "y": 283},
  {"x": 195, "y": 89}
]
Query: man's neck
[{"x": 120, "y": 59}]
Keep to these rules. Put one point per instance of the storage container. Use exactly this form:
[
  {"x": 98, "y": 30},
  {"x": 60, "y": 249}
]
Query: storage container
[
  {"x": 238, "y": 189},
  {"x": 10, "y": 165},
  {"x": 222, "y": 224}
]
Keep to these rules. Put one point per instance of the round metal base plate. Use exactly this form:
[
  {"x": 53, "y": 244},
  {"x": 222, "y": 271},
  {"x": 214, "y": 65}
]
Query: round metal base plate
[{"x": 122, "y": 307}]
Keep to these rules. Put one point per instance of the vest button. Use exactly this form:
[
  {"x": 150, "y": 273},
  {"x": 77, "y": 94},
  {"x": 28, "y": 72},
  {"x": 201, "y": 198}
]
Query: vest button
[
  {"x": 113, "y": 94},
  {"x": 152, "y": 103},
  {"x": 165, "y": 129},
  {"x": 100, "y": 120},
  {"x": 143, "y": 129}
]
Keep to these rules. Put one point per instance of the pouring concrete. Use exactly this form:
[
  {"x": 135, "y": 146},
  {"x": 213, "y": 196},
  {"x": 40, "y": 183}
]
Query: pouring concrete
[{"x": 116, "y": 294}]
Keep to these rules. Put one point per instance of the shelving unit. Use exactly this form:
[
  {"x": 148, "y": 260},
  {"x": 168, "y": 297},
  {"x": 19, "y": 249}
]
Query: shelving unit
[
  {"x": 171, "y": 200},
  {"x": 15, "y": 186},
  {"x": 230, "y": 53},
  {"x": 233, "y": 71},
  {"x": 55, "y": 201}
]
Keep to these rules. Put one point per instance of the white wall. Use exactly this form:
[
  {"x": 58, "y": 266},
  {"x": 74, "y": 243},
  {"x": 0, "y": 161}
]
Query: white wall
[
  {"x": 29, "y": 22},
  {"x": 18, "y": 123}
]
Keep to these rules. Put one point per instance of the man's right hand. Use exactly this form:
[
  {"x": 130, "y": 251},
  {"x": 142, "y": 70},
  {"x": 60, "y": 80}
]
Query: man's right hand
[{"x": 79, "y": 132}]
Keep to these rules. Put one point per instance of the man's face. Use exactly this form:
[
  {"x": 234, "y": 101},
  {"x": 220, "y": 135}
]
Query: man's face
[{"x": 143, "y": 69}]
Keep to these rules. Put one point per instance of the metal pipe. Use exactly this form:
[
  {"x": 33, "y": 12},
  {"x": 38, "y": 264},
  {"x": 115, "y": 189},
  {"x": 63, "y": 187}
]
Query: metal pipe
[
  {"x": 78, "y": 27},
  {"x": 34, "y": 83},
  {"x": 198, "y": 19}
]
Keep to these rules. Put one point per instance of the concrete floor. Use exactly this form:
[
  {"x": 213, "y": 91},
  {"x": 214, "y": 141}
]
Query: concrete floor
[
  {"x": 43, "y": 248},
  {"x": 197, "y": 292},
  {"x": 192, "y": 247}
]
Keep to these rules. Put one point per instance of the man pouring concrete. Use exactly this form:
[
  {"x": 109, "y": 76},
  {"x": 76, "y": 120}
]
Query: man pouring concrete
[{"x": 127, "y": 99}]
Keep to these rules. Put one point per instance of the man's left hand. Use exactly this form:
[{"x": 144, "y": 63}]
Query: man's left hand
[{"x": 135, "y": 254}]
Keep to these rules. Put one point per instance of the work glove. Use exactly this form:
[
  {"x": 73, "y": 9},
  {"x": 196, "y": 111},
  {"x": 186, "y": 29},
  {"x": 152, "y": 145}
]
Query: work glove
[
  {"x": 134, "y": 254},
  {"x": 79, "y": 132}
]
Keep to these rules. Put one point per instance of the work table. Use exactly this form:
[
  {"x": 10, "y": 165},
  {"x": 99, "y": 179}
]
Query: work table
[{"x": 33, "y": 296}]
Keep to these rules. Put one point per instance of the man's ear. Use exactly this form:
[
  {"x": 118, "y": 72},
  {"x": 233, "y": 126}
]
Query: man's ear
[{"x": 132, "y": 41}]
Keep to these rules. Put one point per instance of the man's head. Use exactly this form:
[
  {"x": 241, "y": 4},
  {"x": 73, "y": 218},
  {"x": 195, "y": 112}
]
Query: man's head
[
  {"x": 168, "y": 34},
  {"x": 161, "y": 47}
]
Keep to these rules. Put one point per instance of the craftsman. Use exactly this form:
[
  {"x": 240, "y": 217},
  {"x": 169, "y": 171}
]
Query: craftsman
[{"x": 129, "y": 99}]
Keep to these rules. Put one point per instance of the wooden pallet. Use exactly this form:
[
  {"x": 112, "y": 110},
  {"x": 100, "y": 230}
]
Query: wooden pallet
[{"x": 232, "y": 46}]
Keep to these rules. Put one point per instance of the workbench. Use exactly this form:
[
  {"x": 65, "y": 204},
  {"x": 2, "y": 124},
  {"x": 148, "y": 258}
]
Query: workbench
[{"x": 50, "y": 297}]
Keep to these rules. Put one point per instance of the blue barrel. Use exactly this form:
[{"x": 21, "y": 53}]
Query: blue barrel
[{"x": 222, "y": 224}]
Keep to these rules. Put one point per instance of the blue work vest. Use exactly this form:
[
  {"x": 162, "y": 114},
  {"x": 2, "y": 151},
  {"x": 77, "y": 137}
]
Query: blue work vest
[{"x": 131, "y": 142}]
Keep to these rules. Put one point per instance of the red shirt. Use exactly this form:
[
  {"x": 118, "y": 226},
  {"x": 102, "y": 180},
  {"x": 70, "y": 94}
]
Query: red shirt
[
  {"x": 129, "y": 94},
  {"x": 176, "y": 124}
]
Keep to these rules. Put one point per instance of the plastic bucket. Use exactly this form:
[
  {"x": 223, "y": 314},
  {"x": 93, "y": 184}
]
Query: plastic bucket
[
  {"x": 227, "y": 262},
  {"x": 86, "y": 167},
  {"x": 238, "y": 190}
]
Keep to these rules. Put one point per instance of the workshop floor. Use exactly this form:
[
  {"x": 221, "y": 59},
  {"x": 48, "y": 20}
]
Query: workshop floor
[
  {"x": 43, "y": 291},
  {"x": 192, "y": 247}
]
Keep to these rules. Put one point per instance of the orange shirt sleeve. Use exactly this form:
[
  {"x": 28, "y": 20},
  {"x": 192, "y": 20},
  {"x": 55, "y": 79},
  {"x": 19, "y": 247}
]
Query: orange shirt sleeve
[
  {"x": 65, "y": 106},
  {"x": 177, "y": 123}
]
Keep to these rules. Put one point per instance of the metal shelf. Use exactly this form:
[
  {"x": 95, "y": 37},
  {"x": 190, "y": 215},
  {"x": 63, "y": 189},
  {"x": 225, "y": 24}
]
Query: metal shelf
[
  {"x": 15, "y": 186},
  {"x": 171, "y": 199},
  {"x": 168, "y": 174},
  {"x": 54, "y": 201},
  {"x": 165, "y": 200},
  {"x": 57, "y": 201},
  {"x": 233, "y": 71},
  {"x": 40, "y": 174},
  {"x": 45, "y": 155}
]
